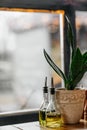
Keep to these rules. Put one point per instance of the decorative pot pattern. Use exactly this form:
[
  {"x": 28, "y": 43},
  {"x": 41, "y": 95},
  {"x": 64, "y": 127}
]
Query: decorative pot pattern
[{"x": 71, "y": 103}]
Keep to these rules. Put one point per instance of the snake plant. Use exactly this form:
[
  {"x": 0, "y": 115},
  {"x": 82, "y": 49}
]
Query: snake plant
[{"x": 78, "y": 62}]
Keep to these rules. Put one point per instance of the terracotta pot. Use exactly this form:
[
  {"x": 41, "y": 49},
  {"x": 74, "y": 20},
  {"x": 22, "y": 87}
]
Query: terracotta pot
[{"x": 71, "y": 103}]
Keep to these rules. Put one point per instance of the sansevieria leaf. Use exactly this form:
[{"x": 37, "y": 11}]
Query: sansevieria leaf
[
  {"x": 54, "y": 66},
  {"x": 76, "y": 64},
  {"x": 70, "y": 36},
  {"x": 78, "y": 78}
]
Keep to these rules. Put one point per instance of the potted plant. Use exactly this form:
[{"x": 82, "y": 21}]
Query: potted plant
[{"x": 70, "y": 99}]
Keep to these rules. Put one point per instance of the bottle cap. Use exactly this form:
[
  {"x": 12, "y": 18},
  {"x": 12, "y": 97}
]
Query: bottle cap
[
  {"x": 52, "y": 90},
  {"x": 45, "y": 88}
]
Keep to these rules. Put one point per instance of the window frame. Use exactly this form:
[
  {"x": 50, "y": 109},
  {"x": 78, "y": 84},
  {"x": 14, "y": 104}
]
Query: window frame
[{"x": 22, "y": 116}]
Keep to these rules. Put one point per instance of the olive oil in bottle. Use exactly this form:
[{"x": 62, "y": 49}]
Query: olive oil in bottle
[
  {"x": 42, "y": 111},
  {"x": 53, "y": 116},
  {"x": 53, "y": 120}
]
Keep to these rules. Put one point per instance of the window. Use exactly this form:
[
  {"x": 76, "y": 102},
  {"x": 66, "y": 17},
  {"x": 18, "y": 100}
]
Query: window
[
  {"x": 23, "y": 36},
  {"x": 81, "y": 27}
]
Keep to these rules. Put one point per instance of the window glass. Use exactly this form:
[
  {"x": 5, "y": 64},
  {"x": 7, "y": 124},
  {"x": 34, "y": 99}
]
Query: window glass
[
  {"x": 81, "y": 30},
  {"x": 23, "y": 68}
]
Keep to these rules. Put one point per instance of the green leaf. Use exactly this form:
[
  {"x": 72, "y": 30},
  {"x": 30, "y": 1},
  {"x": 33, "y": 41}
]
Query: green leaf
[
  {"x": 70, "y": 35},
  {"x": 69, "y": 85},
  {"x": 54, "y": 66},
  {"x": 80, "y": 70},
  {"x": 78, "y": 78},
  {"x": 76, "y": 64}
]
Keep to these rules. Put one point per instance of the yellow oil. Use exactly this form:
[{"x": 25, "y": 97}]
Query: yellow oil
[
  {"x": 53, "y": 120},
  {"x": 42, "y": 118}
]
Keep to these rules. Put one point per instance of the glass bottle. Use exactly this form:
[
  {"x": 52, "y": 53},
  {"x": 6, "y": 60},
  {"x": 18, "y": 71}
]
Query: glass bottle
[
  {"x": 53, "y": 116},
  {"x": 42, "y": 111}
]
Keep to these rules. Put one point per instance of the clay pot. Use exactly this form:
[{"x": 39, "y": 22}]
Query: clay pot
[{"x": 71, "y": 103}]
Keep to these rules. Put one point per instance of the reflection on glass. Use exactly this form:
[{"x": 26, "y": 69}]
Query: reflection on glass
[
  {"x": 22, "y": 64},
  {"x": 81, "y": 26}
]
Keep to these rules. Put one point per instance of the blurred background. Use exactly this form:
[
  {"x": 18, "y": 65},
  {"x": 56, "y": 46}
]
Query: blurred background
[{"x": 23, "y": 68}]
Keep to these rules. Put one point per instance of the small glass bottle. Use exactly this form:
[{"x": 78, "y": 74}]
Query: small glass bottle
[
  {"x": 53, "y": 116},
  {"x": 42, "y": 111}
]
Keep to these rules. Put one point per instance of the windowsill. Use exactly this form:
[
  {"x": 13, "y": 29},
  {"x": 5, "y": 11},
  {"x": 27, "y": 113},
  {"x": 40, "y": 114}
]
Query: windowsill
[{"x": 16, "y": 117}]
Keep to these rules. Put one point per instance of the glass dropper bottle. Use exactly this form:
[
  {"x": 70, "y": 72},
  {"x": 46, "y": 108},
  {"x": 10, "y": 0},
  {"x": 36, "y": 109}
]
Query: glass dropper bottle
[
  {"x": 53, "y": 116},
  {"x": 42, "y": 111}
]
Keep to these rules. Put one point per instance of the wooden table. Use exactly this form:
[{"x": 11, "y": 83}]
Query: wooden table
[{"x": 35, "y": 126}]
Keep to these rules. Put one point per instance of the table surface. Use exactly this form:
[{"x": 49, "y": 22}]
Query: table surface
[{"x": 35, "y": 126}]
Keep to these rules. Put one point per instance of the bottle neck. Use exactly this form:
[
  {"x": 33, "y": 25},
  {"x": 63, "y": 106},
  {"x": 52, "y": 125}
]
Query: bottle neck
[
  {"x": 45, "y": 96},
  {"x": 52, "y": 98},
  {"x": 52, "y": 94}
]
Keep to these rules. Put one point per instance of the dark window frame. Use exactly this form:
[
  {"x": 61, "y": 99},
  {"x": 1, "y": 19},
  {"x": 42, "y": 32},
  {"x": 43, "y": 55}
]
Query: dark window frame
[{"x": 69, "y": 8}]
